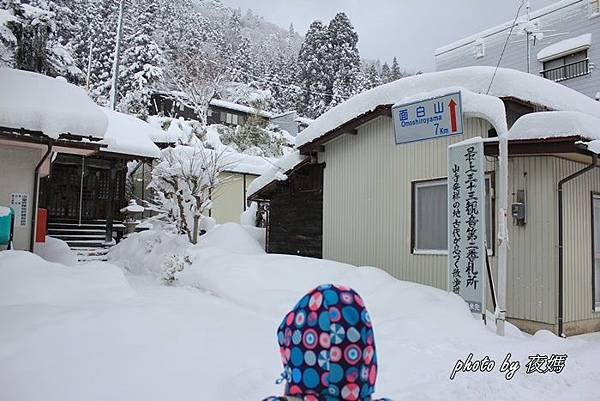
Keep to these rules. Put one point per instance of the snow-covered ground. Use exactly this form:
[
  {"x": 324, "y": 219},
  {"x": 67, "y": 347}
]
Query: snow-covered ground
[{"x": 114, "y": 331}]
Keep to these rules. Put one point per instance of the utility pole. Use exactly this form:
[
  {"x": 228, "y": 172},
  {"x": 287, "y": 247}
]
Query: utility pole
[
  {"x": 115, "y": 78},
  {"x": 528, "y": 36},
  {"x": 89, "y": 69}
]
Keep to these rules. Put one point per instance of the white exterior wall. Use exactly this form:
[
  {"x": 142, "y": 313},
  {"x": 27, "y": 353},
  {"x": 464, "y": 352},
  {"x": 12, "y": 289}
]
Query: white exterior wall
[
  {"x": 17, "y": 166},
  {"x": 229, "y": 198},
  {"x": 367, "y": 203},
  {"x": 569, "y": 20}
]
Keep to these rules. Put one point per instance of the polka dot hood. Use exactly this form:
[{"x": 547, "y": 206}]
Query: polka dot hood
[{"x": 328, "y": 347}]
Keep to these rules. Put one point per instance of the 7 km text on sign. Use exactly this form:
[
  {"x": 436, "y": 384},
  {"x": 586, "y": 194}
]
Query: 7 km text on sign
[{"x": 428, "y": 119}]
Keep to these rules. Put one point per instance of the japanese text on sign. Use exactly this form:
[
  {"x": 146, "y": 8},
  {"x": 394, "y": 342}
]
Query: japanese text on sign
[
  {"x": 427, "y": 119},
  {"x": 466, "y": 223}
]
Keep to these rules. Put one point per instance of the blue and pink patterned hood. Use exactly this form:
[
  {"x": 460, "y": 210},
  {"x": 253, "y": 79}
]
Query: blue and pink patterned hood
[{"x": 328, "y": 347}]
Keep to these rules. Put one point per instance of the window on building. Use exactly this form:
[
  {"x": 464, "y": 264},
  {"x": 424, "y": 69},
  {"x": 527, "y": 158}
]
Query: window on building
[
  {"x": 229, "y": 118},
  {"x": 479, "y": 48},
  {"x": 430, "y": 216},
  {"x": 596, "y": 262},
  {"x": 594, "y": 6},
  {"x": 567, "y": 67}
]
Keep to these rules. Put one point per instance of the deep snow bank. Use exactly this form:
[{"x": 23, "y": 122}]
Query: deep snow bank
[
  {"x": 56, "y": 251},
  {"x": 212, "y": 336},
  {"x": 148, "y": 252},
  {"x": 28, "y": 279}
]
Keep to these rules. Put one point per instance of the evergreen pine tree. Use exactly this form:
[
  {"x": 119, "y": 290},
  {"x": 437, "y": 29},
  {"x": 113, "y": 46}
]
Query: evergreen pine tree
[
  {"x": 142, "y": 59},
  {"x": 372, "y": 77},
  {"x": 395, "y": 71},
  {"x": 386, "y": 74},
  {"x": 314, "y": 71},
  {"x": 344, "y": 59}
]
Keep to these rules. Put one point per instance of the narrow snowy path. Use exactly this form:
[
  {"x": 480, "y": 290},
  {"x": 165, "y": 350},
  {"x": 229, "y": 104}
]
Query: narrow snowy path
[{"x": 92, "y": 332}]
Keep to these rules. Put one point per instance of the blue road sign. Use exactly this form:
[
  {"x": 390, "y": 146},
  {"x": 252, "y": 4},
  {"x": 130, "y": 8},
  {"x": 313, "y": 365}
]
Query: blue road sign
[{"x": 428, "y": 119}]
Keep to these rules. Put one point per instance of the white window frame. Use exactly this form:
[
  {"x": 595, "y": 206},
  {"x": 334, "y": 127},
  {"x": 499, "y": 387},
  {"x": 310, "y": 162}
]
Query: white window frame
[
  {"x": 414, "y": 222},
  {"x": 479, "y": 48},
  {"x": 594, "y": 8},
  {"x": 596, "y": 253}
]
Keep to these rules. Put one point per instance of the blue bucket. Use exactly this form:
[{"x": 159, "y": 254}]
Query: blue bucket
[{"x": 6, "y": 224}]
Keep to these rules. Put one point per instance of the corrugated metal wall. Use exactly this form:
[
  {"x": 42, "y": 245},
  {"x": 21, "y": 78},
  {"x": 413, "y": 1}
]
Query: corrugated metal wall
[
  {"x": 367, "y": 198},
  {"x": 578, "y": 239},
  {"x": 531, "y": 289},
  {"x": 367, "y": 212}
]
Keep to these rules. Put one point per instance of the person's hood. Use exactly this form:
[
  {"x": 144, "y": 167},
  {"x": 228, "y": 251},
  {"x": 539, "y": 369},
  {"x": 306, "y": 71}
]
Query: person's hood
[{"x": 328, "y": 347}]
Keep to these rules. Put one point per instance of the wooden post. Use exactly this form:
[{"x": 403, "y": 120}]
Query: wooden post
[{"x": 111, "y": 202}]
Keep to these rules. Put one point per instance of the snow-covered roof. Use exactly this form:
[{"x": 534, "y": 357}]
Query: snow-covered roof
[
  {"x": 246, "y": 164},
  {"x": 52, "y": 106},
  {"x": 285, "y": 113},
  {"x": 565, "y": 47},
  {"x": 239, "y": 107},
  {"x": 552, "y": 124},
  {"x": 129, "y": 135},
  {"x": 304, "y": 120},
  {"x": 276, "y": 171},
  {"x": 559, "y": 5},
  {"x": 507, "y": 83}
]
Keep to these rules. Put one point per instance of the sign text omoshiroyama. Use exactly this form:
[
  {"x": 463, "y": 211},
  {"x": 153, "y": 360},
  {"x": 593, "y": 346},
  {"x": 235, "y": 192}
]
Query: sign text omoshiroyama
[
  {"x": 428, "y": 119},
  {"x": 466, "y": 222}
]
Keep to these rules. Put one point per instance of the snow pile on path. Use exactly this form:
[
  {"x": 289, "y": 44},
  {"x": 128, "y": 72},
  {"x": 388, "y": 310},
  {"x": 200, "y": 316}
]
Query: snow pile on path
[
  {"x": 507, "y": 83},
  {"x": 26, "y": 278},
  {"x": 565, "y": 46},
  {"x": 129, "y": 135},
  {"x": 277, "y": 171},
  {"x": 36, "y": 102},
  {"x": 56, "y": 251},
  {"x": 212, "y": 337},
  {"x": 148, "y": 252}
]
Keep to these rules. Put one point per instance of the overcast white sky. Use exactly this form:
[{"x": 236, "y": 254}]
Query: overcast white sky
[{"x": 409, "y": 29}]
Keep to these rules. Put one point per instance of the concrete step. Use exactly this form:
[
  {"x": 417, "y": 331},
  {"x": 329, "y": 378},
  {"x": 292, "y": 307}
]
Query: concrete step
[{"x": 86, "y": 254}]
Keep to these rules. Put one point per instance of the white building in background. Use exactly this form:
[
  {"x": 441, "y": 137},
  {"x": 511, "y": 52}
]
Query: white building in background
[{"x": 562, "y": 45}]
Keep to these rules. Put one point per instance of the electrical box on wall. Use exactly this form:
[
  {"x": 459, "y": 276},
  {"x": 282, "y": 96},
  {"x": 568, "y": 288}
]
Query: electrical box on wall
[
  {"x": 519, "y": 209},
  {"x": 518, "y": 213}
]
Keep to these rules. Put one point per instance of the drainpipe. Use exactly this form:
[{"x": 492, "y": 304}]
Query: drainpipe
[
  {"x": 36, "y": 184},
  {"x": 561, "y": 240}
]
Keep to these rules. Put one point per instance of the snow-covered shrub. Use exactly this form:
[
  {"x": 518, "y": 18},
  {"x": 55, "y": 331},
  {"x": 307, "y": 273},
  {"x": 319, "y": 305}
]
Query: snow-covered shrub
[
  {"x": 183, "y": 182},
  {"x": 174, "y": 265},
  {"x": 267, "y": 141}
]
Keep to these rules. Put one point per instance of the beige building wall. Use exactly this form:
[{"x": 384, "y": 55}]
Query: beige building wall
[
  {"x": 367, "y": 201},
  {"x": 17, "y": 165},
  {"x": 230, "y": 197},
  {"x": 578, "y": 247}
]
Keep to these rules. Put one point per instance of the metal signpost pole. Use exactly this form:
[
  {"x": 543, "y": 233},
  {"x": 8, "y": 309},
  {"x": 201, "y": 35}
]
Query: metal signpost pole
[{"x": 502, "y": 233}]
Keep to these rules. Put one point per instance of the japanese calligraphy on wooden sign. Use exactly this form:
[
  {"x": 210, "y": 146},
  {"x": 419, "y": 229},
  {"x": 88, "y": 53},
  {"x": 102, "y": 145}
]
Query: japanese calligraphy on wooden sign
[
  {"x": 466, "y": 222},
  {"x": 428, "y": 119}
]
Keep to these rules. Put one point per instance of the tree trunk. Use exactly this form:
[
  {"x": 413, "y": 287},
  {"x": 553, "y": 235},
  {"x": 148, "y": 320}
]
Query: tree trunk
[{"x": 196, "y": 229}]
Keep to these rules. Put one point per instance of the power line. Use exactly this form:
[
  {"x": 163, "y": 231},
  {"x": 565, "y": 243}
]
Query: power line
[{"x": 512, "y": 27}]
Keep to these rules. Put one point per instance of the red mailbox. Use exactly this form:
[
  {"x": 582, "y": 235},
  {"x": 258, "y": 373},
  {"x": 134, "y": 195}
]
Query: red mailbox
[{"x": 42, "y": 224}]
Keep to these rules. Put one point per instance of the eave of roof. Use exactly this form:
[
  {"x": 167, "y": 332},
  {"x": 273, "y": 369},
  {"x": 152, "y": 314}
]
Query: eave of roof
[
  {"x": 346, "y": 128},
  {"x": 261, "y": 194}
]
